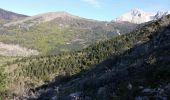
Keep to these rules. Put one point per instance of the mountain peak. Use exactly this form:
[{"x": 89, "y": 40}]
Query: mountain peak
[
  {"x": 136, "y": 16},
  {"x": 159, "y": 14},
  {"x": 52, "y": 15},
  {"x": 139, "y": 16},
  {"x": 56, "y": 13},
  {"x": 137, "y": 11}
]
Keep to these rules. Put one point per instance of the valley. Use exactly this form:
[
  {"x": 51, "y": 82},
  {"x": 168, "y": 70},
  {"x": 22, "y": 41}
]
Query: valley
[{"x": 60, "y": 56}]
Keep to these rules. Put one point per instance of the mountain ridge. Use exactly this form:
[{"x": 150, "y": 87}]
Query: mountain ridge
[
  {"x": 8, "y": 16},
  {"x": 45, "y": 17},
  {"x": 135, "y": 15}
]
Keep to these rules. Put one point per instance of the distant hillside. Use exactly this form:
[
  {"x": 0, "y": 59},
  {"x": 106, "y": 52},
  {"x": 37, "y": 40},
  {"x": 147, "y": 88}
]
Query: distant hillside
[
  {"x": 78, "y": 74},
  {"x": 55, "y": 32},
  {"x": 46, "y": 17},
  {"x": 7, "y": 16}
]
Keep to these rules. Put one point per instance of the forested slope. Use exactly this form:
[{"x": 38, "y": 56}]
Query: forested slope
[{"x": 141, "y": 72}]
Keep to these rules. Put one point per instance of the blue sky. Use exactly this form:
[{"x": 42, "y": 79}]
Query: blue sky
[{"x": 92, "y": 9}]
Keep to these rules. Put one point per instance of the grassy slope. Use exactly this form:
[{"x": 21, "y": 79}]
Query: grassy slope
[
  {"x": 50, "y": 38},
  {"x": 42, "y": 37}
]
